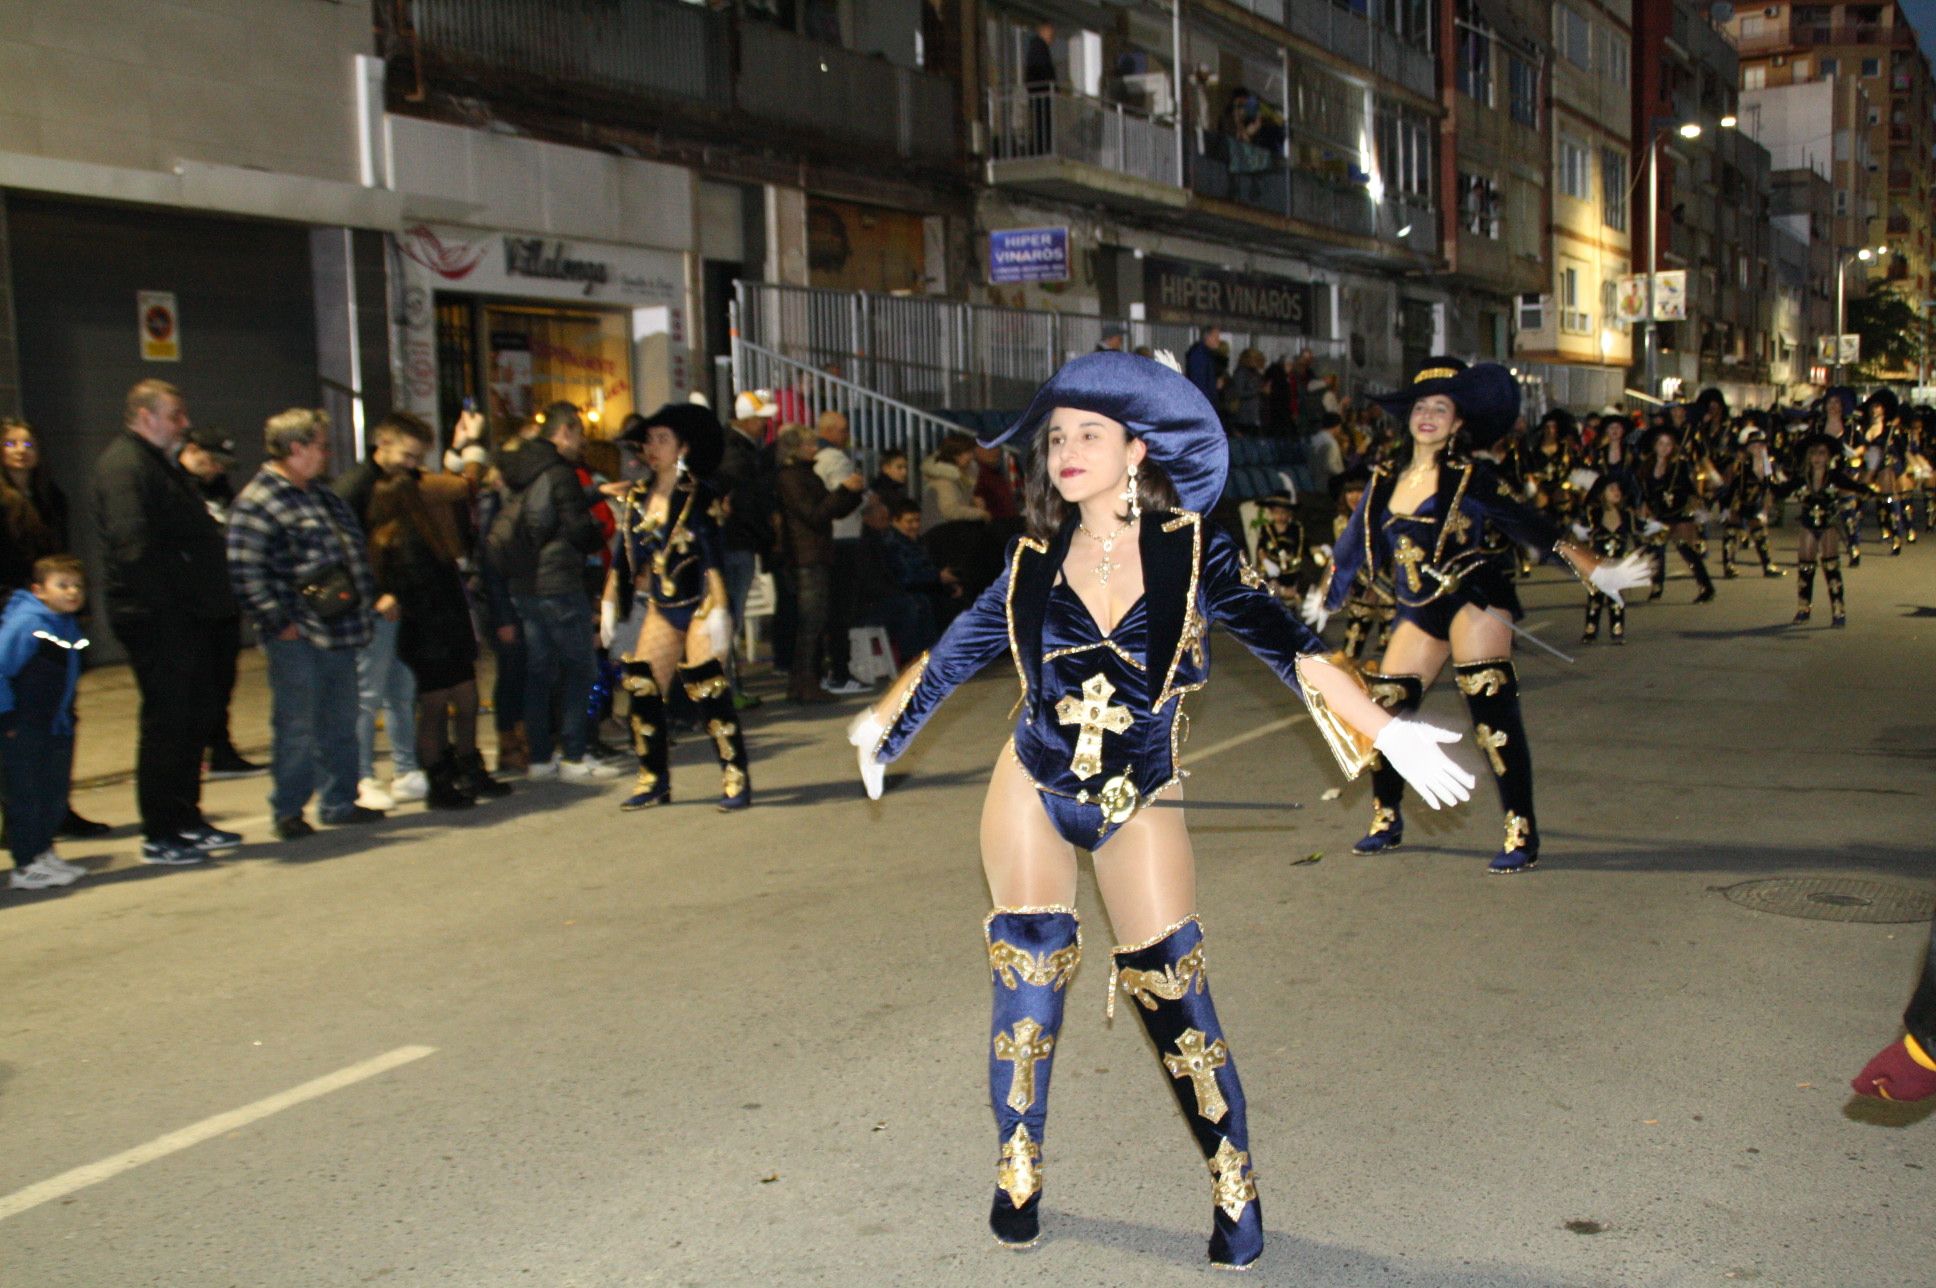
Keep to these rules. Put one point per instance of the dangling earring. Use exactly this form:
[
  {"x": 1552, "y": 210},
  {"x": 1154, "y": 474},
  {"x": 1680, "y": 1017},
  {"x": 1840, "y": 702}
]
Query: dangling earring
[
  {"x": 1131, "y": 496},
  {"x": 681, "y": 468}
]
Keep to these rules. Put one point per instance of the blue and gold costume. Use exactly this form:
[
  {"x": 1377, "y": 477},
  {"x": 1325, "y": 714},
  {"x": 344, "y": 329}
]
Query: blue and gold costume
[
  {"x": 1670, "y": 497},
  {"x": 1456, "y": 549},
  {"x": 1101, "y": 717},
  {"x": 677, "y": 561},
  {"x": 1822, "y": 501},
  {"x": 1611, "y": 534},
  {"x": 668, "y": 561}
]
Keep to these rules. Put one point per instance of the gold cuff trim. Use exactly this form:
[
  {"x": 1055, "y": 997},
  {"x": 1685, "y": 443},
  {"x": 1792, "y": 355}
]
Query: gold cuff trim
[
  {"x": 1917, "y": 1053},
  {"x": 920, "y": 669},
  {"x": 1489, "y": 680},
  {"x": 1115, "y": 966},
  {"x": 1487, "y": 661},
  {"x": 1352, "y": 748}
]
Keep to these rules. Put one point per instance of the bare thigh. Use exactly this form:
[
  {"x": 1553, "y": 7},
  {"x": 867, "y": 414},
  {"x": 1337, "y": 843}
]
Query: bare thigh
[
  {"x": 1829, "y": 543},
  {"x": 1806, "y": 546},
  {"x": 1147, "y": 872},
  {"x": 1479, "y": 636},
  {"x": 1026, "y": 861},
  {"x": 1413, "y": 652},
  {"x": 659, "y": 647}
]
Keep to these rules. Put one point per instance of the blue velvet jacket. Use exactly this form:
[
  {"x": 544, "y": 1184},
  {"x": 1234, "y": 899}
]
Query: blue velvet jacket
[
  {"x": 676, "y": 553},
  {"x": 1193, "y": 575},
  {"x": 1462, "y": 529}
]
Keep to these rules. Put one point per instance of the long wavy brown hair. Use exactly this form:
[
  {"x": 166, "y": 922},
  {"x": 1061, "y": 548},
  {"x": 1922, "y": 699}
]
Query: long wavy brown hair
[
  {"x": 397, "y": 508},
  {"x": 1044, "y": 510}
]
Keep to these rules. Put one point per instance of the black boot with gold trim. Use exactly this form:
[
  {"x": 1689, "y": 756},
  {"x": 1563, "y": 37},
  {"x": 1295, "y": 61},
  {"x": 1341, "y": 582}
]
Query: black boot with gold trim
[
  {"x": 1400, "y": 695},
  {"x": 1491, "y": 692},
  {"x": 648, "y": 721},
  {"x": 1032, "y": 953},
  {"x": 709, "y": 690},
  {"x": 1838, "y": 613},
  {"x": 1164, "y": 979}
]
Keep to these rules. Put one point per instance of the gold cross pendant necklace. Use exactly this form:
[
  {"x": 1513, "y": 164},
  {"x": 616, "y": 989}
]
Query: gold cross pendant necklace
[{"x": 1108, "y": 544}]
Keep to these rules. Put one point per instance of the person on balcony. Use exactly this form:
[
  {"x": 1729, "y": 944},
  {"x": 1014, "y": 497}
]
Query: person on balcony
[{"x": 1038, "y": 77}]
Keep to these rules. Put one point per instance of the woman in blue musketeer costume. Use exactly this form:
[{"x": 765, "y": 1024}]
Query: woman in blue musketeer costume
[
  {"x": 1444, "y": 525},
  {"x": 1106, "y": 603},
  {"x": 668, "y": 577}
]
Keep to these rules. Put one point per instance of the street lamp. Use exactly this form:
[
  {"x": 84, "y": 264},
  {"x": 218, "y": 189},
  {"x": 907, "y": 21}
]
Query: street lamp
[
  {"x": 1687, "y": 130},
  {"x": 1842, "y": 263}
]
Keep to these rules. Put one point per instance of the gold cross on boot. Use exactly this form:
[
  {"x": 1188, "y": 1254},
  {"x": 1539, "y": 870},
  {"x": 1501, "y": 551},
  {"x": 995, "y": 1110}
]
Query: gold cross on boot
[
  {"x": 1199, "y": 1063},
  {"x": 1490, "y": 740},
  {"x": 1094, "y": 714},
  {"x": 1023, "y": 1046}
]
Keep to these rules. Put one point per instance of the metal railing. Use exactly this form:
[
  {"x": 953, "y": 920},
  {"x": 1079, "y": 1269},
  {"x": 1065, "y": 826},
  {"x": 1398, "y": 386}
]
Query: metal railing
[
  {"x": 935, "y": 353},
  {"x": 804, "y": 392},
  {"x": 1073, "y": 127},
  {"x": 654, "y": 47}
]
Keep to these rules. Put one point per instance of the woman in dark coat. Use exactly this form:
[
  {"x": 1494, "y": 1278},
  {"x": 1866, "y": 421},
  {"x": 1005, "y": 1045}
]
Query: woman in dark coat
[{"x": 414, "y": 549}]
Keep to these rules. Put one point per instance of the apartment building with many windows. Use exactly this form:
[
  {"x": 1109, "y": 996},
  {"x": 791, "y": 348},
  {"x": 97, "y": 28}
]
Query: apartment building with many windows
[{"x": 1568, "y": 331}]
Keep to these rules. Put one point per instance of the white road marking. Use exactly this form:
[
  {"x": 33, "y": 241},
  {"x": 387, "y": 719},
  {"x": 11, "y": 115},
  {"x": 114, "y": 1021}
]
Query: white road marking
[
  {"x": 209, "y": 1128},
  {"x": 1252, "y": 735}
]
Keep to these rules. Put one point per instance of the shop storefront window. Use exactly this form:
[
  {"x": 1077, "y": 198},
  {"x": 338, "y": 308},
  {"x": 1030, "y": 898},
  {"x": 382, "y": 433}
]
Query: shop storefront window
[{"x": 513, "y": 359}]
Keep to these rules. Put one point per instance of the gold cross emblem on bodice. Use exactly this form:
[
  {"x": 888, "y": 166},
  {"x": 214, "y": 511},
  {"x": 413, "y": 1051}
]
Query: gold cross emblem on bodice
[
  {"x": 1199, "y": 1061},
  {"x": 1411, "y": 555},
  {"x": 1093, "y": 713},
  {"x": 1023, "y": 1046}
]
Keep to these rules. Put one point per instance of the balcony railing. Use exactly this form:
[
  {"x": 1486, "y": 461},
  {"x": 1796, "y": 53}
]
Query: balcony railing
[
  {"x": 1228, "y": 169},
  {"x": 659, "y": 50},
  {"x": 1071, "y": 127},
  {"x": 655, "y": 48}
]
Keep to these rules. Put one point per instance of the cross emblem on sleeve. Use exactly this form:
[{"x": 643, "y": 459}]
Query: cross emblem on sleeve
[
  {"x": 1093, "y": 713},
  {"x": 1199, "y": 1063},
  {"x": 1490, "y": 740},
  {"x": 1023, "y": 1046}
]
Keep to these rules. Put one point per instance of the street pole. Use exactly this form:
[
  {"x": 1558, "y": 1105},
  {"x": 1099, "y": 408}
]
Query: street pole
[
  {"x": 1653, "y": 247},
  {"x": 1841, "y": 291}
]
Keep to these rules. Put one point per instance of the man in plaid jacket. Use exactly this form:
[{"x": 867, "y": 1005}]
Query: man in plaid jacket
[{"x": 287, "y": 533}]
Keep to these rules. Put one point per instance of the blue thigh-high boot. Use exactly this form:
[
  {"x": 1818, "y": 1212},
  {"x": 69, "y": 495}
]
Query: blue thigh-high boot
[
  {"x": 1032, "y": 953},
  {"x": 1165, "y": 979},
  {"x": 1400, "y": 695}
]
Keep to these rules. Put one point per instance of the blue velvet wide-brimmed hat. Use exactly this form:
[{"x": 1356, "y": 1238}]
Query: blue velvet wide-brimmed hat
[
  {"x": 1485, "y": 393},
  {"x": 1177, "y": 424}
]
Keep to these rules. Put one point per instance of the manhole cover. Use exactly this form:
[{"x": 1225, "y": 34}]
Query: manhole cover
[{"x": 1834, "y": 899}]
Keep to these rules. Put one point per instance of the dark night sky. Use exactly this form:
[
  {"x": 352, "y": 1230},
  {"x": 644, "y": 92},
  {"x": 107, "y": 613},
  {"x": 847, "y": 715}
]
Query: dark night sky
[{"x": 1923, "y": 14}]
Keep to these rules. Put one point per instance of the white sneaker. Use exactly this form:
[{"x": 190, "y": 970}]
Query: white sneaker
[
  {"x": 49, "y": 859},
  {"x": 370, "y": 795},
  {"x": 845, "y": 687},
  {"x": 542, "y": 769},
  {"x": 579, "y": 771},
  {"x": 413, "y": 786},
  {"x": 38, "y": 876}
]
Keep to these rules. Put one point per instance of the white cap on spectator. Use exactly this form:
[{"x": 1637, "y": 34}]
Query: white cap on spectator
[
  {"x": 698, "y": 399},
  {"x": 755, "y": 402}
]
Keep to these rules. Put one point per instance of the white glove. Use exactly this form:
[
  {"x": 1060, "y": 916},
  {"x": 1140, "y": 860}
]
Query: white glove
[
  {"x": 1636, "y": 570},
  {"x": 1703, "y": 517},
  {"x": 1652, "y": 526},
  {"x": 1413, "y": 748},
  {"x": 1315, "y": 614},
  {"x": 1321, "y": 556},
  {"x": 1581, "y": 532},
  {"x": 864, "y": 732},
  {"x": 607, "y": 622},
  {"x": 719, "y": 630}
]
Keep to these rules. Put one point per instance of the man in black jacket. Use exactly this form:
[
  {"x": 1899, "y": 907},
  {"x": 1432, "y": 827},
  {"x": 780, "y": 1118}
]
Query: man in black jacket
[
  {"x": 165, "y": 586},
  {"x": 556, "y": 530},
  {"x": 748, "y": 528}
]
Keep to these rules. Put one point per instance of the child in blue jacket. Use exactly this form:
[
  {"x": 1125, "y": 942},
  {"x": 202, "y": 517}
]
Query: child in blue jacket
[{"x": 40, "y": 665}]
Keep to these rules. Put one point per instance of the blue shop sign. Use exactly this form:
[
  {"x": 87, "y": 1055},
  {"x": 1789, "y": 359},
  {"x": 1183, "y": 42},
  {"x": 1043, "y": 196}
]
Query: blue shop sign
[{"x": 1028, "y": 255}]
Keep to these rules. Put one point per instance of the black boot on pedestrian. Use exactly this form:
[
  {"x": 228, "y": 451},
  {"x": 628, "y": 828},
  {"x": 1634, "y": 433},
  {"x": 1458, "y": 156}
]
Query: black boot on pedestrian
[
  {"x": 444, "y": 792},
  {"x": 1698, "y": 566},
  {"x": 1491, "y": 692},
  {"x": 1400, "y": 695},
  {"x": 472, "y": 777},
  {"x": 76, "y": 828},
  {"x": 649, "y": 739},
  {"x": 1165, "y": 980},
  {"x": 706, "y": 685},
  {"x": 1033, "y": 953}
]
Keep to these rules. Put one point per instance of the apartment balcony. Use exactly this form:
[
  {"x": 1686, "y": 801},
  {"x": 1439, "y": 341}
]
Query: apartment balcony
[
  {"x": 1231, "y": 171},
  {"x": 1788, "y": 38},
  {"x": 662, "y": 62},
  {"x": 1072, "y": 148},
  {"x": 1349, "y": 36}
]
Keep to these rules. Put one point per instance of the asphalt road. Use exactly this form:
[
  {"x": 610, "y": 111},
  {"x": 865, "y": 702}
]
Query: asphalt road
[{"x": 685, "y": 1048}]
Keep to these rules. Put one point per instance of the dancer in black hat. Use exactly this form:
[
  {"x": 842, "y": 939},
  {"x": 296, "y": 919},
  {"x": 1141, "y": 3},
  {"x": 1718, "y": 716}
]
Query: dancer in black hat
[
  {"x": 1822, "y": 489},
  {"x": 1670, "y": 493},
  {"x": 1106, "y": 606},
  {"x": 1440, "y": 522},
  {"x": 1751, "y": 475},
  {"x": 670, "y": 556}
]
